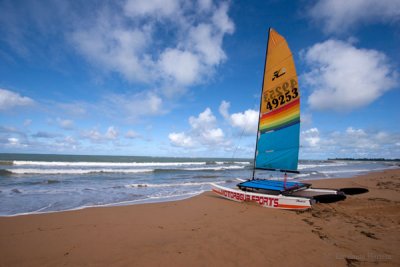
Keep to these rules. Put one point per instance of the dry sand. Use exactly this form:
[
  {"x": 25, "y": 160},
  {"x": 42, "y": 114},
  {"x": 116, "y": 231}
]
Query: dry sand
[{"x": 207, "y": 230}]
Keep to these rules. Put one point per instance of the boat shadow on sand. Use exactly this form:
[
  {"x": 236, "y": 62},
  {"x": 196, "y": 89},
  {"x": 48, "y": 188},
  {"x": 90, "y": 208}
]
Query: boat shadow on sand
[{"x": 348, "y": 191}]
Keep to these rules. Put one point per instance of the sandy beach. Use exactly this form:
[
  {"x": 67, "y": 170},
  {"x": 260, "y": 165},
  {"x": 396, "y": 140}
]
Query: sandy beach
[{"x": 363, "y": 230}]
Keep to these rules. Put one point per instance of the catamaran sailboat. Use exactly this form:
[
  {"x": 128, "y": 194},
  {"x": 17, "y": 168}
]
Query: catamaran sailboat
[{"x": 277, "y": 144}]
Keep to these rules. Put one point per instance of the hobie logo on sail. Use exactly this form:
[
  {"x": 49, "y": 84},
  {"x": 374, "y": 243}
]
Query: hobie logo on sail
[{"x": 279, "y": 73}]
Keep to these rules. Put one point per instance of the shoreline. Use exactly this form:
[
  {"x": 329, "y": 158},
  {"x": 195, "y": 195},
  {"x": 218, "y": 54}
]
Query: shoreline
[
  {"x": 119, "y": 204},
  {"x": 208, "y": 230},
  {"x": 175, "y": 198}
]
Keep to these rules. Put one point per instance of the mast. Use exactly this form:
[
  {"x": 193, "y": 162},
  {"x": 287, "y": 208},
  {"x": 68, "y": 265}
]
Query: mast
[{"x": 259, "y": 112}]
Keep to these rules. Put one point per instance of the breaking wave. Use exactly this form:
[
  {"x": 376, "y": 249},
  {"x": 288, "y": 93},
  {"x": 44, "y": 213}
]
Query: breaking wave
[
  {"x": 233, "y": 167},
  {"x": 313, "y": 166},
  {"x": 104, "y": 164},
  {"x": 170, "y": 184},
  {"x": 75, "y": 171}
]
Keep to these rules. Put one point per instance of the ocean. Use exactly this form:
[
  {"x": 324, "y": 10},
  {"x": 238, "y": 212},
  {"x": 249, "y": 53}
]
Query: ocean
[{"x": 33, "y": 183}]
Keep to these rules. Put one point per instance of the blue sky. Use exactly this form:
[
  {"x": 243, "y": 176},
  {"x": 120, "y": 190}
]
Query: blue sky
[{"x": 180, "y": 78}]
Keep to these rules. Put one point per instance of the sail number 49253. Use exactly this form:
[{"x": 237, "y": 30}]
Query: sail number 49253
[{"x": 281, "y": 94}]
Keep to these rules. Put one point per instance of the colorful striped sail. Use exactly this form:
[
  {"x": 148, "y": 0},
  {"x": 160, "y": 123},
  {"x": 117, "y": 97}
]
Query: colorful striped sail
[{"x": 279, "y": 123}]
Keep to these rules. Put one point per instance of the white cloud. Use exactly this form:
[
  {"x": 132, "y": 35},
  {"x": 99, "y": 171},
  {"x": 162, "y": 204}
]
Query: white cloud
[
  {"x": 180, "y": 140},
  {"x": 344, "y": 77},
  {"x": 13, "y": 141},
  {"x": 65, "y": 123},
  {"x": 9, "y": 100},
  {"x": 203, "y": 132},
  {"x": 224, "y": 109},
  {"x": 205, "y": 4},
  {"x": 207, "y": 44},
  {"x": 205, "y": 120},
  {"x": 221, "y": 19},
  {"x": 27, "y": 122},
  {"x": 180, "y": 67},
  {"x": 133, "y": 105},
  {"x": 11, "y": 137},
  {"x": 93, "y": 135},
  {"x": 160, "y": 8},
  {"x": 359, "y": 139},
  {"x": 135, "y": 43},
  {"x": 67, "y": 144},
  {"x": 70, "y": 141},
  {"x": 114, "y": 47},
  {"x": 310, "y": 137},
  {"x": 111, "y": 133},
  {"x": 351, "y": 142},
  {"x": 212, "y": 136},
  {"x": 350, "y": 131},
  {"x": 132, "y": 134},
  {"x": 306, "y": 119},
  {"x": 47, "y": 135},
  {"x": 8, "y": 129},
  {"x": 338, "y": 16},
  {"x": 246, "y": 121},
  {"x": 204, "y": 128}
]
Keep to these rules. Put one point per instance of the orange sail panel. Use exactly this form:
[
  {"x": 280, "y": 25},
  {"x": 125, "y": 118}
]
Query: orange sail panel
[{"x": 279, "y": 124}]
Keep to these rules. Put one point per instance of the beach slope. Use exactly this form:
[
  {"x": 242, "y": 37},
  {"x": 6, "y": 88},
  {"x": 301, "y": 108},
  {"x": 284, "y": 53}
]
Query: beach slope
[{"x": 209, "y": 231}]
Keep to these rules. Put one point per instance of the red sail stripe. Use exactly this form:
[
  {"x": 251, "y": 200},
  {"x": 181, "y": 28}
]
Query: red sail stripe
[
  {"x": 290, "y": 111},
  {"x": 278, "y": 110}
]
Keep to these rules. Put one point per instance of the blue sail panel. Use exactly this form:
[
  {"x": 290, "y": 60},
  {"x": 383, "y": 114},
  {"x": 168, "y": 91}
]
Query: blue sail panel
[{"x": 279, "y": 149}]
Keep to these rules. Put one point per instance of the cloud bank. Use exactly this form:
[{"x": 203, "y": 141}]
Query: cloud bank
[{"x": 351, "y": 142}]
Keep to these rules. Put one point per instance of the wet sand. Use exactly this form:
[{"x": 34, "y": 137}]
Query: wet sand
[{"x": 363, "y": 230}]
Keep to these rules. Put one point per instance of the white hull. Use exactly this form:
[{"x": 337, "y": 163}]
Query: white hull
[
  {"x": 312, "y": 192},
  {"x": 264, "y": 200}
]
